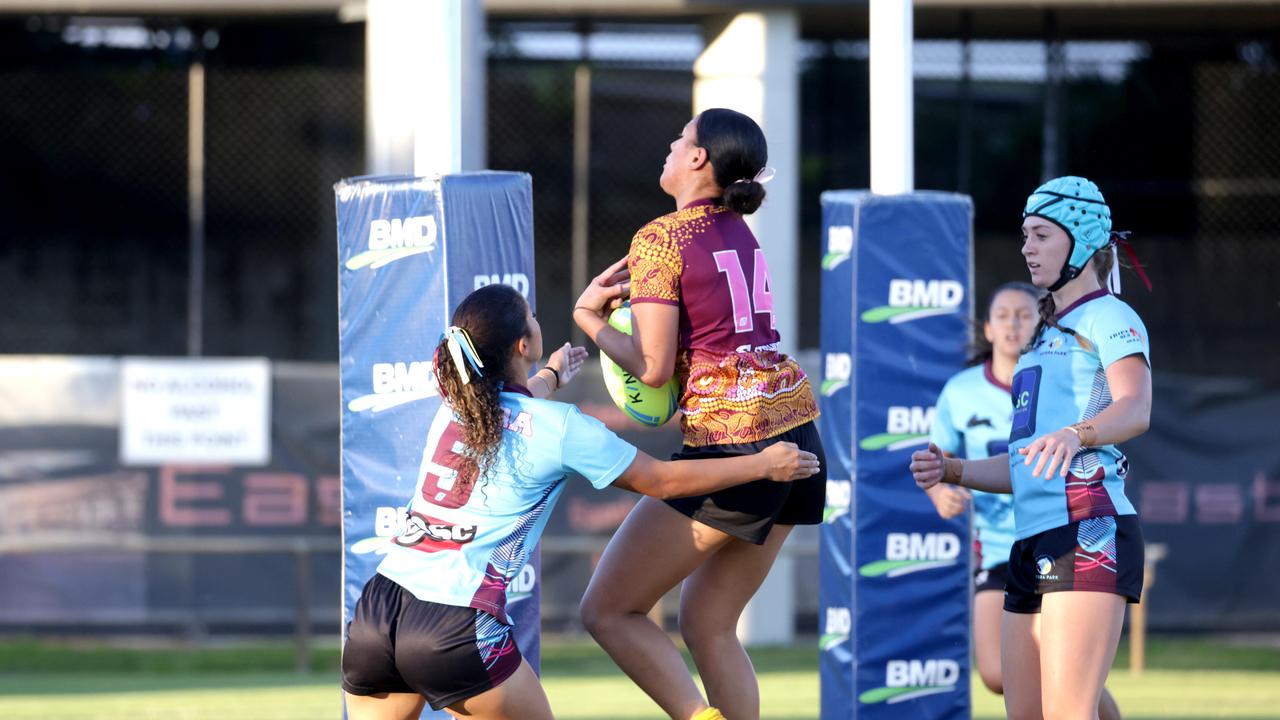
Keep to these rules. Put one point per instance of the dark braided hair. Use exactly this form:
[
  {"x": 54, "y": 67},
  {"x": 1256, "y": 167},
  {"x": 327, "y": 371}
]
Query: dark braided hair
[{"x": 494, "y": 317}]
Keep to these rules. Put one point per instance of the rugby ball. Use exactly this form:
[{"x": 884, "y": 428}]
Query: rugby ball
[{"x": 646, "y": 405}]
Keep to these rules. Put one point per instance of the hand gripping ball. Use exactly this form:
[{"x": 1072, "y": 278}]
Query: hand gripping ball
[{"x": 646, "y": 405}]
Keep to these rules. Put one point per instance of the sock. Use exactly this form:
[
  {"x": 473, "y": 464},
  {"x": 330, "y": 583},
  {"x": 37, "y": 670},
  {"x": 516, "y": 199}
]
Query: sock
[{"x": 709, "y": 714}]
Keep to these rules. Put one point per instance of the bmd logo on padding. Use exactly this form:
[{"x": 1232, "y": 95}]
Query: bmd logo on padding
[
  {"x": 396, "y": 239},
  {"x": 839, "y": 500},
  {"x": 904, "y": 427},
  {"x": 917, "y": 299},
  {"x": 396, "y": 383},
  {"x": 836, "y": 372},
  {"x": 910, "y": 679},
  {"x": 906, "y": 553},
  {"x": 839, "y": 246},
  {"x": 521, "y": 587},
  {"x": 836, "y": 630}
]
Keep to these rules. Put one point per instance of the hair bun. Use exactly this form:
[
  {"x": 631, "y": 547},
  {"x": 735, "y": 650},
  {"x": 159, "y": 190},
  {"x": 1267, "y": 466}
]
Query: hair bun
[{"x": 744, "y": 197}]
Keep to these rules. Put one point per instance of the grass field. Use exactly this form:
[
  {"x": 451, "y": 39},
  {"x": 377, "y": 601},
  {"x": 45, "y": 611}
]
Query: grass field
[{"x": 1186, "y": 678}]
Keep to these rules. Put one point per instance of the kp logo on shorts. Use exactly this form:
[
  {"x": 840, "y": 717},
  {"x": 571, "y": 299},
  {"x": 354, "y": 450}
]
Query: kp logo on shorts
[
  {"x": 396, "y": 239},
  {"x": 910, "y": 679},
  {"x": 917, "y": 299},
  {"x": 906, "y": 553}
]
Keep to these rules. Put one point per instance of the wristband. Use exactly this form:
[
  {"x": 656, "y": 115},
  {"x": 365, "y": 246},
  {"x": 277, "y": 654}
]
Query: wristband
[
  {"x": 553, "y": 372},
  {"x": 952, "y": 471},
  {"x": 1082, "y": 430}
]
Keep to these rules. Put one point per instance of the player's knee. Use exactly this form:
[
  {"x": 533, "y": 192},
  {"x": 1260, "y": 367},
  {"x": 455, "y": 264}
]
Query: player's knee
[
  {"x": 598, "y": 614},
  {"x": 701, "y": 628},
  {"x": 593, "y": 613}
]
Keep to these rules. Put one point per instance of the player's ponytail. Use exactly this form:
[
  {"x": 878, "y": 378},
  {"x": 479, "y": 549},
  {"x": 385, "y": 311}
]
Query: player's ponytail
[
  {"x": 470, "y": 365},
  {"x": 737, "y": 151}
]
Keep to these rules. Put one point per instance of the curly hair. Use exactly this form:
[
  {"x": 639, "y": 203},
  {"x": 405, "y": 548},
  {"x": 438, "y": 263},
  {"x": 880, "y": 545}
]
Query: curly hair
[{"x": 494, "y": 318}]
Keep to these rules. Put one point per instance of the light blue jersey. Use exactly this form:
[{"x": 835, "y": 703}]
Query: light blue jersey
[
  {"x": 972, "y": 420},
  {"x": 464, "y": 542},
  {"x": 1060, "y": 382}
]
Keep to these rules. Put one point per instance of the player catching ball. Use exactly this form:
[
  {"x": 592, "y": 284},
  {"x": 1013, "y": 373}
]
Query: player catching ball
[
  {"x": 702, "y": 311},
  {"x": 1082, "y": 385},
  {"x": 431, "y": 626}
]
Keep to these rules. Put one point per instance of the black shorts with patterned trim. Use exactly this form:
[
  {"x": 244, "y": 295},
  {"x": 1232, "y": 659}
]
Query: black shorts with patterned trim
[
  {"x": 1102, "y": 554},
  {"x": 748, "y": 512},
  {"x": 397, "y": 643}
]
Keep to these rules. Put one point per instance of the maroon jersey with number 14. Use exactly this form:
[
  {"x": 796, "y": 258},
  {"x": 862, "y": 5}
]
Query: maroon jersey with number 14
[{"x": 736, "y": 386}]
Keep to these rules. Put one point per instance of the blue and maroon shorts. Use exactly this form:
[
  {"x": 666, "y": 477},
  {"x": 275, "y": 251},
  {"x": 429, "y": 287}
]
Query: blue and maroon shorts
[
  {"x": 1101, "y": 554},
  {"x": 397, "y": 643}
]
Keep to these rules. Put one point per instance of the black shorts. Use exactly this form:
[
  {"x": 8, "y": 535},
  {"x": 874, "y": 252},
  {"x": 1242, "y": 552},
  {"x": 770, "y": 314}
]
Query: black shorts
[
  {"x": 992, "y": 578},
  {"x": 1102, "y": 554},
  {"x": 748, "y": 512},
  {"x": 397, "y": 643}
]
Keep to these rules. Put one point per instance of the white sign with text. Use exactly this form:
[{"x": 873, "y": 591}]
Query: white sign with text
[{"x": 178, "y": 410}]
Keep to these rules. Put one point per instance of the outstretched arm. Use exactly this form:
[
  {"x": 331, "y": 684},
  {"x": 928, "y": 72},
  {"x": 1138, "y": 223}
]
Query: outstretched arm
[
  {"x": 780, "y": 462},
  {"x": 929, "y": 468}
]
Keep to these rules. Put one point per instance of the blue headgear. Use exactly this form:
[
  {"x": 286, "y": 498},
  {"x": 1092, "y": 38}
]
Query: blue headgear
[{"x": 1077, "y": 206}]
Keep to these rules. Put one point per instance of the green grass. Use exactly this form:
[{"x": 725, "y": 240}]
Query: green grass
[{"x": 1186, "y": 678}]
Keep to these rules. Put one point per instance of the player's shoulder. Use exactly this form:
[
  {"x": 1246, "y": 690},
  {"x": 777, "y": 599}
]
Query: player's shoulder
[
  {"x": 680, "y": 224},
  {"x": 541, "y": 408},
  {"x": 1109, "y": 310},
  {"x": 965, "y": 380}
]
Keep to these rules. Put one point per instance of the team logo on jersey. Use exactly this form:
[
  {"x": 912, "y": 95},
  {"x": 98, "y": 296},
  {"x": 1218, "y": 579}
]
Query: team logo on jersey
[
  {"x": 905, "y": 426},
  {"x": 836, "y": 372},
  {"x": 431, "y": 535},
  {"x": 396, "y": 239},
  {"x": 836, "y": 629},
  {"x": 917, "y": 299},
  {"x": 839, "y": 246},
  {"x": 1026, "y": 396},
  {"x": 975, "y": 421},
  {"x": 907, "y": 553},
  {"x": 910, "y": 679}
]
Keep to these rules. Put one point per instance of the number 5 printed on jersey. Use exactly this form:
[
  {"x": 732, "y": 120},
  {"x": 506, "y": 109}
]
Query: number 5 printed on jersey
[{"x": 444, "y": 484}]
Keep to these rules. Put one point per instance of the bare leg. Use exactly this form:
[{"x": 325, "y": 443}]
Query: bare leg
[
  {"x": 384, "y": 706},
  {"x": 711, "y": 602},
  {"x": 519, "y": 697},
  {"x": 1079, "y": 633},
  {"x": 1020, "y": 664},
  {"x": 988, "y": 606},
  {"x": 655, "y": 549}
]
